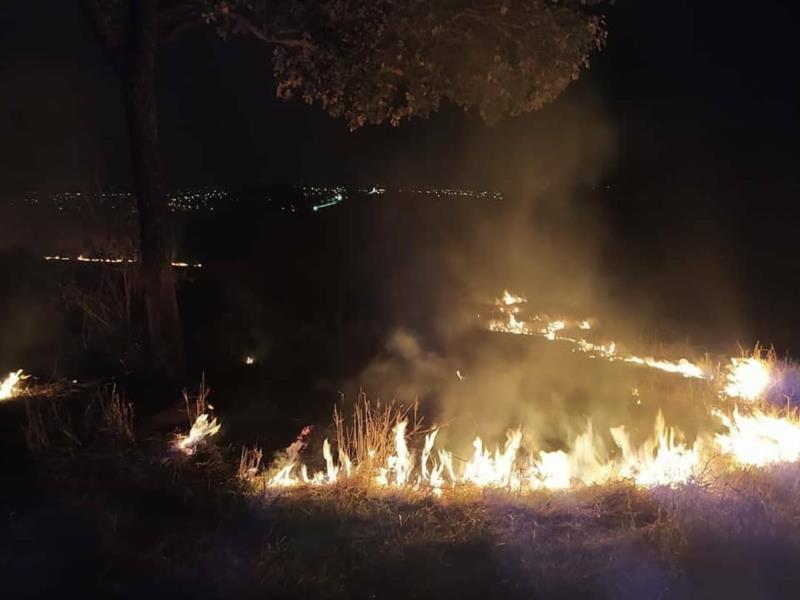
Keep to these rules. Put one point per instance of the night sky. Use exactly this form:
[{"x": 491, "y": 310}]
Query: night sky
[
  {"x": 687, "y": 123},
  {"x": 698, "y": 92}
]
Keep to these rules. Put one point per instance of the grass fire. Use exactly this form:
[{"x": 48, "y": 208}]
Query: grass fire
[
  {"x": 10, "y": 386},
  {"x": 374, "y": 450},
  {"x": 399, "y": 300}
]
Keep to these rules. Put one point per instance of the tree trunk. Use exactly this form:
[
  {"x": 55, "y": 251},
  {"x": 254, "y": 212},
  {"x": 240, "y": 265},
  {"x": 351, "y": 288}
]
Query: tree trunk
[{"x": 155, "y": 239}]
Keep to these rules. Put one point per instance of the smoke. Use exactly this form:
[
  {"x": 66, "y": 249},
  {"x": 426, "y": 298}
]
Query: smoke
[
  {"x": 487, "y": 384},
  {"x": 547, "y": 239}
]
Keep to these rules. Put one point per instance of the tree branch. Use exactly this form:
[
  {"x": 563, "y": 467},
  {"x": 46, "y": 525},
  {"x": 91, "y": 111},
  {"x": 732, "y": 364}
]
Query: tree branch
[
  {"x": 265, "y": 35},
  {"x": 177, "y": 17},
  {"x": 100, "y": 19},
  {"x": 170, "y": 32}
]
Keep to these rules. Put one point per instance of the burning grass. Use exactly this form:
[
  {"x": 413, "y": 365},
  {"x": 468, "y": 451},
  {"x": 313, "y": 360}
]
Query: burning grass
[
  {"x": 611, "y": 540},
  {"x": 745, "y": 378},
  {"x": 382, "y": 509},
  {"x": 202, "y": 425},
  {"x": 359, "y": 538},
  {"x": 386, "y": 447},
  {"x": 11, "y": 385}
]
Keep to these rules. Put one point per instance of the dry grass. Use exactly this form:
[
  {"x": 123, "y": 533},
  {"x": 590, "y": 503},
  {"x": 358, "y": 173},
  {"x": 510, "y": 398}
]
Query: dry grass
[
  {"x": 366, "y": 438},
  {"x": 48, "y": 425},
  {"x": 106, "y": 305},
  {"x": 197, "y": 404},
  {"x": 738, "y": 531},
  {"x": 249, "y": 464},
  {"x": 613, "y": 540},
  {"x": 56, "y": 420},
  {"x": 116, "y": 413},
  {"x": 364, "y": 441}
]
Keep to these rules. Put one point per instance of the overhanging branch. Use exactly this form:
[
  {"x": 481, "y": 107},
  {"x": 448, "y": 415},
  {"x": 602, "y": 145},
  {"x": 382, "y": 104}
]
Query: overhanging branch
[
  {"x": 101, "y": 19},
  {"x": 286, "y": 39},
  {"x": 171, "y": 31}
]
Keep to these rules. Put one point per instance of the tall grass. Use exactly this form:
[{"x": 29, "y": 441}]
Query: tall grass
[
  {"x": 116, "y": 413},
  {"x": 197, "y": 404},
  {"x": 366, "y": 438},
  {"x": 48, "y": 425}
]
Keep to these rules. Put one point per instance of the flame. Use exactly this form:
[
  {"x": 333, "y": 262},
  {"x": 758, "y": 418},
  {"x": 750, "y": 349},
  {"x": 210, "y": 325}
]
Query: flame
[
  {"x": 551, "y": 471},
  {"x": 510, "y": 299},
  {"x": 681, "y": 367},
  {"x": 494, "y": 470},
  {"x": 553, "y": 330},
  {"x": 399, "y": 465},
  {"x": 747, "y": 378},
  {"x": 10, "y": 386},
  {"x": 663, "y": 459},
  {"x": 754, "y": 439},
  {"x": 760, "y": 439},
  {"x": 203, "y": 428}
]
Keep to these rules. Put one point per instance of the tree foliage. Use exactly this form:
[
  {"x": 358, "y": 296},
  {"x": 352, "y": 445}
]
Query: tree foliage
[
  {"x": 378, "y": 61},
  {"x": 382, "y": 61},
  {"x": 365, "y": 61}
]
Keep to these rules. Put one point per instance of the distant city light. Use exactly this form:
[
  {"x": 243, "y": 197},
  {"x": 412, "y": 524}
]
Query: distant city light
[{"x": 210, "y": 199}]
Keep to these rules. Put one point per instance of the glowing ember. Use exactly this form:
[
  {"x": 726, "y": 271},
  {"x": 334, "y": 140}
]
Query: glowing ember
[
  {"x": 203, "y": 428},
  {"x": 9, "y": 387},
  {"x": 748, "y": 378},
  {"x": 760, "y": 439}
]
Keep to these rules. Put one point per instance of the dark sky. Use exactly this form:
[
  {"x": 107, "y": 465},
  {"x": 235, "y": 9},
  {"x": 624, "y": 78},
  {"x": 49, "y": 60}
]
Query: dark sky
[
  {"x": 696, "y": 93},
  {"x": 688, "y": 122}
]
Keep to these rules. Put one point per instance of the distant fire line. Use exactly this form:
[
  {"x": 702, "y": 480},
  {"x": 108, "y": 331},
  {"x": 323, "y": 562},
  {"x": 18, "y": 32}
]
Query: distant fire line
[
  {"x": 508, "y": 307},
  {"x": 116, "y": 261}
]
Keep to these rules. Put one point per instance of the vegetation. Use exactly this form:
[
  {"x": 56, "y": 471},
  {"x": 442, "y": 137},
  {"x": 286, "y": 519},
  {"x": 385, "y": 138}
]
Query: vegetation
[
  {"x": 122, "y": 518},
  {"x": 365, "y": 61}
]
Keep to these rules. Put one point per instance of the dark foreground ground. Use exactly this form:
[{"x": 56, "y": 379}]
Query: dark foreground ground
[{"x": 91, "y": 513}]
